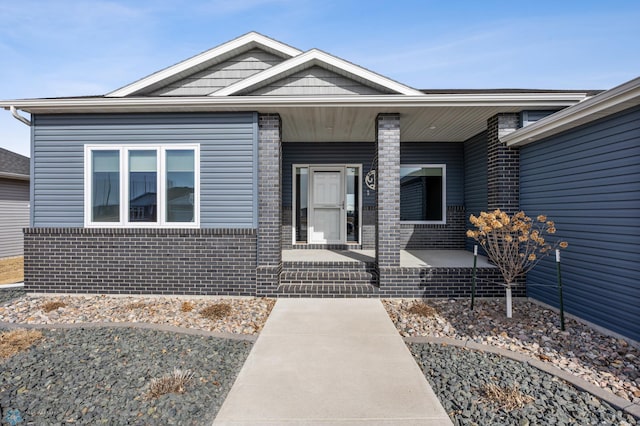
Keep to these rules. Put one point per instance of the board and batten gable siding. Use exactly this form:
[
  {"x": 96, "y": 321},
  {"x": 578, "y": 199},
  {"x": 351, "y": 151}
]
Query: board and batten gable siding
[
  {"x": 475, "y": 179},
  {"x": 315, "y": 81},
  {"x": 221, "y": 75},
  {"x": 449, "y": 153},
  {"x": 588, "y": 181},
  {"x": 228, "y": 161},
  {"x": 14, "y": 208}
]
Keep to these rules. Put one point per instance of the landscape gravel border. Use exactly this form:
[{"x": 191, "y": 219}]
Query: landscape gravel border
[
  {"x": 614, "y": 400},
  {"x": 141, "y": 325}
]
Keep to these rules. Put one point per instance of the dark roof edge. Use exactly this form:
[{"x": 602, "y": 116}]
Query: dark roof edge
[{"x": 590, "y": 92}]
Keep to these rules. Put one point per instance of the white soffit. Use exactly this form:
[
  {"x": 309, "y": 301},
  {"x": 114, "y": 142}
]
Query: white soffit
[
  {"x": 619, "y": 98},
  {"x": 206, "y": 59},
  {"x": 322, "y": 59}
]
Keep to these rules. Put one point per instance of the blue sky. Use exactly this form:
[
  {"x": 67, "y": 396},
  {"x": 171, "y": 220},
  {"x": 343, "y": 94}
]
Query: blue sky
[{"x": 72, "y": 47}]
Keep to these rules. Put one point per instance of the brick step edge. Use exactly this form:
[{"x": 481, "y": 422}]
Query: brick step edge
[
  {"x": 327, "y": 275},
  {"x": 328, "y": 290},
  {"x": 356, "y": 266}
]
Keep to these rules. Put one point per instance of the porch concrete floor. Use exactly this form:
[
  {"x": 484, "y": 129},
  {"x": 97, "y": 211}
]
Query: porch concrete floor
[{"x": 408, "y": 258}]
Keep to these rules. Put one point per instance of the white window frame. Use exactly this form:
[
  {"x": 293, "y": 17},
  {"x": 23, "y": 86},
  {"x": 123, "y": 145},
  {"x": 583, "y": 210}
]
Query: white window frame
[
  {"x": 123, "y": 150},
  {"x": 444, "y": 195}
]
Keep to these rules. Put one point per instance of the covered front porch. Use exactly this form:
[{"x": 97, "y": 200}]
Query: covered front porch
[
  {"x": 411, "y": 258},
  {"x": 356, "y": 273}
]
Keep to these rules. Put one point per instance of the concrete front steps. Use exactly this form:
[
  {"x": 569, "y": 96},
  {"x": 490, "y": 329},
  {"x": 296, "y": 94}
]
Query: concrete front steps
[{"x": 328, "y": 279}]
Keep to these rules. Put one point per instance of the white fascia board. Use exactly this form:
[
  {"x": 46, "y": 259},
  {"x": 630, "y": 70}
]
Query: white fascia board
[
  {"x": 188, "y": 64},
  {"x": 591, "y": 109},
  {"x": 314, "y": 57},
  {"x": 252, "y": 103},
  {"x": 15, "y": 176}
]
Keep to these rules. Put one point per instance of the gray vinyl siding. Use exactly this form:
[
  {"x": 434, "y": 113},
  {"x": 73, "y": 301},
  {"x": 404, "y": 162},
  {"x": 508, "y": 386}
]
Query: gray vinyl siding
[
  {"x": 15, "y": 217},
  {"x": 227, "y": 161},
  {"x": 326, "y": 153},
  {"x": 588, "y": 181},
  {"x": 449, "y": 153},
  {"x": 15, "y": 190},
  {"x": 316, "y": 81},
  {"x": 221, "y": 75},
  {"x": 14, "y": 214},
  {"x": 475, "y": 179}
]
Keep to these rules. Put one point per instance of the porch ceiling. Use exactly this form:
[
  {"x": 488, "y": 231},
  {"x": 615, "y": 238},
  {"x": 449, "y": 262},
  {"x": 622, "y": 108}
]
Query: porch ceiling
[{"x": 347, "y": 124}]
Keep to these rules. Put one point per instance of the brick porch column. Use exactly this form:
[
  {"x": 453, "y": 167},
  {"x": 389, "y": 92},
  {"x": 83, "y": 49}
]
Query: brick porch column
[
  {"x": 388, "y": 197},
  {"x": 269, "y": 250},
  {"x": 503, "y": 165}
]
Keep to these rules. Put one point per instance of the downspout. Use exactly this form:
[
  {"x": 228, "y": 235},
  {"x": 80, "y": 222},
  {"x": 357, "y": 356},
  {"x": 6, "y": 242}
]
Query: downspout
[{"x": 18, "y": 117}]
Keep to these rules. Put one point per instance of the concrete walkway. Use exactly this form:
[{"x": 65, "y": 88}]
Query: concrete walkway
[{"x": 330, "y": 361}]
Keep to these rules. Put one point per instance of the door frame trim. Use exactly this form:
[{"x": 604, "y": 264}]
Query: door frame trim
[
  {"x": 294, "y": 166},
  {"x": 342, "y": 220}
]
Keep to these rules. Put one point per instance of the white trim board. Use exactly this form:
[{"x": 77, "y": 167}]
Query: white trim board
[
  {"x": 318, "y": 58},
  {"x": 250, "y": 103},
  {"x": 123, "y": 150},
  {"x": 206, "y": 59},
  {"x": 606, "y": 103}
]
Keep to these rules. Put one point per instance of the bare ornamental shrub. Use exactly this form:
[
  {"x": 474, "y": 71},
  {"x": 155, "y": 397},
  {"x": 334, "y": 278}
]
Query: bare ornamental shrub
[
  {"x": 509, "y": 397},
  {"x": 52, "y": 306},
  {"x": 216, "y": 311},
  {"x": 186, "y": 306},
  {"x": 12, "y": 342},
  {"x": 170, "y": 383},
  {"x": 421, "y": 308},
  {"x": 135, "y": 305},
  {"x": 515, "y": 244}
]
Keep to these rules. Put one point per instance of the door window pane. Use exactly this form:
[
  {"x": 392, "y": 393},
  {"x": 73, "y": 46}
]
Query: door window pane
[
  {"x": 353, "y": 204},
  {"x": 105, "y": 191},
  {"x": 180, "y": 185},
  {"x": 301, "y": 207},
  {"x": 143, "y": 181},
  {"x": 421, "y": 193}
]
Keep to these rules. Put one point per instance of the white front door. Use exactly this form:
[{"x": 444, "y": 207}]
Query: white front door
[{"x": 327, "y": 214}]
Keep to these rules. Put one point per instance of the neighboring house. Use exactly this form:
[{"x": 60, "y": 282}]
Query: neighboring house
[
  {"x": 14, "y": 202},
  {"x": 213, "y": 175}
]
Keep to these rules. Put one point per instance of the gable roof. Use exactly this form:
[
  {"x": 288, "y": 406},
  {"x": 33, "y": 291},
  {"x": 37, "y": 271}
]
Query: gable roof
[
  {"x": 204, "y": 60},
  {"x": 315, "y": 57},
  {"x": 624, "y": 96},
  {"x": 13, "y": 165}
]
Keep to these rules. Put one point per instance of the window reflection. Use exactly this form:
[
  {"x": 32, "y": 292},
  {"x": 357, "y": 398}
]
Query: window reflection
[
  {"x": 302, "y": 200},
  {"x": 180, "y": 185},
  {"x": 421, "y": 193},
  {"x": 105, "y": 192},
  {"x": 143, "y": 181},
  {"x": 353, "y": 204}
]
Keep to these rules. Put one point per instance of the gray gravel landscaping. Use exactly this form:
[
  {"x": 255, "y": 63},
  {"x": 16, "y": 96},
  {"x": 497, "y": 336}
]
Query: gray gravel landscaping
[
  {"x": 101, "y": 376},
  {"x": 8, "y": 294},
  {"x": 458, "y": 375}
]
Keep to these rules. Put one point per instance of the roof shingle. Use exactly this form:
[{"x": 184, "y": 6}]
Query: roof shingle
[{"x": 13, "y": 163}]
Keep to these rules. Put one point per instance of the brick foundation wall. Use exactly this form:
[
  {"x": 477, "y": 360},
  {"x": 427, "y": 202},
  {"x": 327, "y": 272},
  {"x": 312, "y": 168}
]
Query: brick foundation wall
[
  {"x": 449, "y": 236},
  {"x": 141, "y": 261},
  {"x": 445, "y": 283}
]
